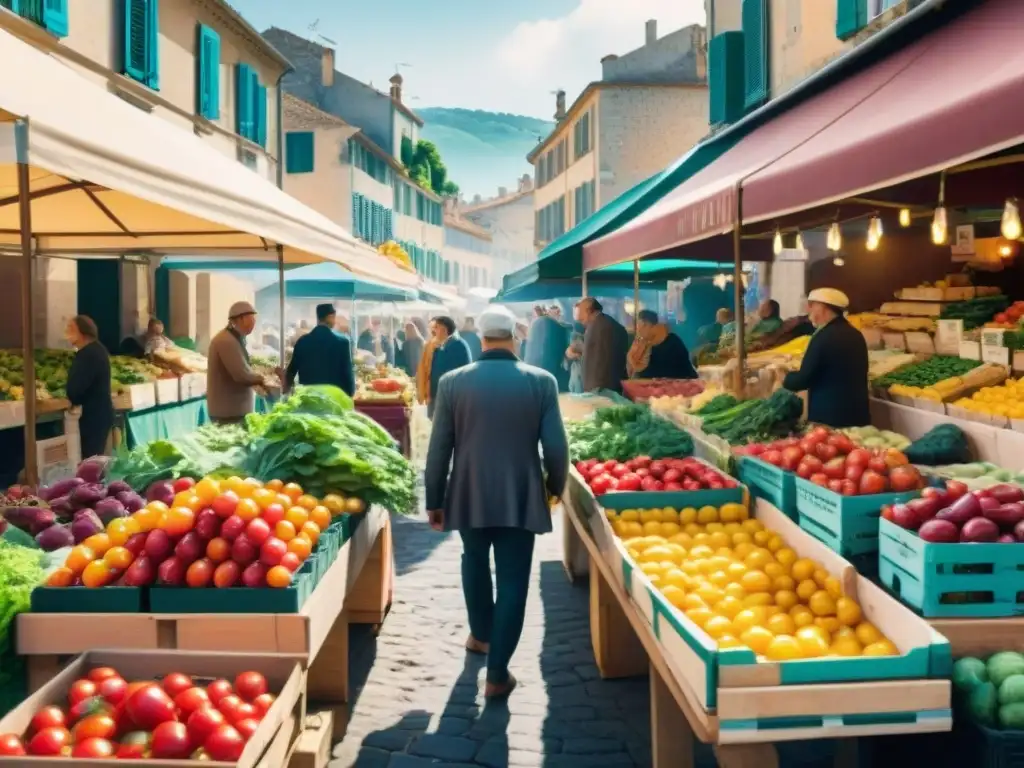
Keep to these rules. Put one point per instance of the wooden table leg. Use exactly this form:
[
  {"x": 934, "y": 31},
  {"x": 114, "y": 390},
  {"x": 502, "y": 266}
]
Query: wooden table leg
[
  {"x": 746, "y": 756},
  {"x": 618, "y": 652},
  {"x": 368, "y": 601},
  {"x": 574, "y": 554},
  {"x": 671, "y": 736},
  {"x": 327, "y": 678}
]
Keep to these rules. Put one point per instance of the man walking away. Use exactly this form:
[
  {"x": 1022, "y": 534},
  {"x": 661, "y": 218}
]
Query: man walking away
[
  {"x": 322, "y": 356},
  {"x": 489, "y": 419},
  {"x": 469, "y": 335},
  {"x": 605, "y": 345},
  {"x": 450, "y": 352}
]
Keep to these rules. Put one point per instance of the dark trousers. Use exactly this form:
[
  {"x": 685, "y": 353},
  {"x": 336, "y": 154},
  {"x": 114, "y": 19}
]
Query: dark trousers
[{"x": 497, "y": 621}]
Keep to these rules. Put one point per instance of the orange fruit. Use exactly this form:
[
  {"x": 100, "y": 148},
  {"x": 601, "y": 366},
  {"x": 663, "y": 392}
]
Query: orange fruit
[
  {"x": 97, "y": 574},
  {"x": 120, "y": 529},
  {"x": 296, "y": 516},
  {"x": 279, "y": 577},
  {"x": 264, "y": 497},
  {"x": 334, "y": 503},
  {"x": 247, "y": 509},
  {"x": 61, "y": 577},
  {"x": 207, "y": 489},
  {"x": 233, "y": 483},
  {"x": 178, "y": 521},
  {"x": 218, "y": 550},
  {"x": 292, "y": 491},
  {"x": 149, "y": 517},
  {"x": 321, "y": 516},
  {"x": 249, "y": 486},
  {"x": 301, "y": 546},
  {"x": 284, "y": 530},
  {"x": 189, "y": 499},
  {"x": 79, "y": 557},
  {"x": 98, "y": 544},
  {"x": 306, "y": 501},
  {"x": 284, "y": 500},
  {"x": 310, "y": 530},
  {"x": 118, "y": 558},
  {"x": 274, "y": 485}
]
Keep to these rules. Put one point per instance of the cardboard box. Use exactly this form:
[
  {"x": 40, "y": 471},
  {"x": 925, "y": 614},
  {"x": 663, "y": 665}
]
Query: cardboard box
[
  {"x": 136, "y": 397},
  {"x": 191, "y": 386},
  {"x": 167, "y": 391},
  {"x": 284, "y": 675}
]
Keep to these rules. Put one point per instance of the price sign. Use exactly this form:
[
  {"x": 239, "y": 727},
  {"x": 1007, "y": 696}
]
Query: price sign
[
  {"x": 920, "y": 343},
  {"x": 995, "y": 355},
  {"x": 948, "y": 335},
  {"x": 992, "y": 337},
  {"x": 970, "y": 350}
]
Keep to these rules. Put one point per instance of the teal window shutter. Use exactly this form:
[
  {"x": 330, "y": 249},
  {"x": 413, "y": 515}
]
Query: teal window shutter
[
  {"x": 207, "y": 73},
  {"x": 851, "y": 17},
  {"x": 136, "y": 39},
  {"x": 11, "y": 5},
  {"x": 726, "y": 77},
  {"x": 153, "y": 44},
  {"x": 55, "y": 17},
  {"x": 355, "y": 214},
  {"x": 298, "y": 152},
  {"x": 244, "y": 100},
  {"x": 755, "y": 53},
  {"x": 261, "y": 114}
]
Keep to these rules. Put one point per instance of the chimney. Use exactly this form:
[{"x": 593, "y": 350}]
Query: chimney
[
  {"x": 396, "y": 87},
  {"x": 609, "y": 57},
  {"x": 327, "y": 67},
  {"x": 652, "y": 32},
  {"x": 559, "y": 105}
]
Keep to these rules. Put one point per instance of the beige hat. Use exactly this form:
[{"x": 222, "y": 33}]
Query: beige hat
[
  {"x": 496, "y": 322},
  {"x": 829, "y": 296},
  {"x": 239, "y": 309}
]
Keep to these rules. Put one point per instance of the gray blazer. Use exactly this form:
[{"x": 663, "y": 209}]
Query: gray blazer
[
  {"x": 605, "y": 345},
  {"x": 489, "y": 418}
]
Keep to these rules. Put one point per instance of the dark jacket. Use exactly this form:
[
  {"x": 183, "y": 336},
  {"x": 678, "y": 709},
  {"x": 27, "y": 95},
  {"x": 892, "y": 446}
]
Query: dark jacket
[
  {"x": 669, "y": 360},
  {"x": 489, "y": 420},
  {"x": 322, "y": 357},
  {"x": 605, "y": 345},
  {"x": 367, "y": 343},
  {"x": 549, "y": 339},
  {"x": 834, "y": 372},
  {"x": 473, "y": 342},
  {"x": 88, "y": 386},
  {"x": 453, "y": 354}
]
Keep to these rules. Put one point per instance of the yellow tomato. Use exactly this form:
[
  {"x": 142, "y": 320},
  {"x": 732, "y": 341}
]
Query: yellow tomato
[
  {"x": 848, "y": 611},
  {"x": 846, "y": 646},
  {"x": 728, "y": 641},
  {"x": 806, "y": 589},
  {"x": 783, "y": 648},
  {"x": 803, "y": 569},
  {"x": 813, "y": 641},
  {"x": 758, "y": 598},
  {"x": 668, "y": 529},
  {"x": 756, "y": 581},
  {"x": 867, "y": 633},
  {"x": 718, "y": 626},
  {"x": 747, "y": 618},
  {"x": 786, "y": 599},
  {"x": 786, "y": 557},
  {"x": 729, "y": 607},
  {"x": 757, "y": 639},
  {"x": 673, "y": 594},
  {"x": 881, "y": 648},
  {"x": 707, "y": 515},
  {"x": 781, "y": 624},
  {"x": 688, "y": 516},
  {"x": 627, "y": 516},
  {"x": 822, "y": 604}
]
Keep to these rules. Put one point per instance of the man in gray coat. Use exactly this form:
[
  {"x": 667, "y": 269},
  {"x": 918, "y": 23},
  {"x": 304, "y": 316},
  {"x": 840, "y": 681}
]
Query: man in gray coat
[
  {"x": 489, "y": 418},
  {"x": 605, "y": 345}
]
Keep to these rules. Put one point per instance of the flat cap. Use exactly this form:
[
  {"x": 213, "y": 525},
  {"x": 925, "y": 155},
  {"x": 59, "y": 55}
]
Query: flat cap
[
  {"x": 496, "y": 322},
  {"x": 240, "y": 309},
  {"x": 829, "y": 296}
]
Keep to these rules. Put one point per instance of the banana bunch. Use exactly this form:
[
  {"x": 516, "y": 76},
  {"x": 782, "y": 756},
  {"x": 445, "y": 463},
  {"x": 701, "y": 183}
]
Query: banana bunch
[{"x": 397, "y": 254}]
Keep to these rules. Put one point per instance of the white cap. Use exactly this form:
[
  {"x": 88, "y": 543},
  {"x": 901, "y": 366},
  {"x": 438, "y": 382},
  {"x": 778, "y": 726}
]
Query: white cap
[
  {"x": 496, "y": 322},
  {"x": 829, "y": 296}
]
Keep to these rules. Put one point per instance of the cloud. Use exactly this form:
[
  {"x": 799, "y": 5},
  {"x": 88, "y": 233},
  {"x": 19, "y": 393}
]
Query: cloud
[{"x": 540, "y": 55}]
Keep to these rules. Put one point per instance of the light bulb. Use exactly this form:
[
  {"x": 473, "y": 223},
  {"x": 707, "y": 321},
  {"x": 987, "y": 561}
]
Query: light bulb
[
  {"x": 1005, "y": 251},
  {"x": 835, "y": 237},
  {"x": 777, "y": 243},
  {"x": 875, "y": 227},
  {"x": 838, "y": 261},
  {"x": 799, "y": 244},
  {"x": 940, "y": 227},
  {"x": 1010, "y": 225},
  {"x": 904, "y": 217},
  {"x": 872, "y": 242}
]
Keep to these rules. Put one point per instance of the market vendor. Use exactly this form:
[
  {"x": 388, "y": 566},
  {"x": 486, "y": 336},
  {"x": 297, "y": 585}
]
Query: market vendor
[
  {"x": 657, "y": 353},
  {"x": 450, "y": 353},
  {"x": 229, "y": 377},
  {"x": 88, "y": 385},
  {"x": 322, "y": 356},
  {"x": 769, "y": 319},
  {"x": 834, "y": 370}
]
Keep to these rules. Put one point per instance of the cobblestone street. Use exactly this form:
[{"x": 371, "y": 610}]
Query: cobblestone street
[{"x": 417, "y": 696}]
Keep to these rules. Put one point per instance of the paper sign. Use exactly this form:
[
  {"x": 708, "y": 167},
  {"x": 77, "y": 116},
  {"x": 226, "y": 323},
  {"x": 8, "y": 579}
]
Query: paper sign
[
  {"x": 992, "y": 337},
  {"x": 895, "y": 341},
  {"x": 970, "y": 350},
  {"x": 995, "y": 355},
  {"x": 948, "y": 336},
  {"x": 920, "y": 343},
  {"x": 963, "y": 245}
]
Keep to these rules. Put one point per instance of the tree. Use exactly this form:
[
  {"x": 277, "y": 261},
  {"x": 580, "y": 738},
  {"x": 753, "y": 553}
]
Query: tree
[
  {"x": 426, "y": 167},
  {"x": 407, "y": 151}
]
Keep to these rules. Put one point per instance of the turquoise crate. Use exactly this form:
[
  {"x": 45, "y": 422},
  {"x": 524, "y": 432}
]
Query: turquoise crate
[
  {"x": 234, "y": 599},
  {"x": 951, "y": 580},
  {"x": 89, "y": 600},
  {"x": 674, "y": 499},
  {"x": 771, "y": 483},
  {"x": 866, "y": 564},
  {"x": 847, "y": 524}
]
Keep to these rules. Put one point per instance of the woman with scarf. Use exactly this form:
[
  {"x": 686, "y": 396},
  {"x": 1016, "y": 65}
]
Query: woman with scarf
[{"x": 656, "y": 352}]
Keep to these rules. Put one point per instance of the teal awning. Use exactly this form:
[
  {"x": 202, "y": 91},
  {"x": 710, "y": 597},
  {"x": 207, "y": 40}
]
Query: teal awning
[
  {"x": 562, "y": 259},
  {"x": 328, "y": 282}
]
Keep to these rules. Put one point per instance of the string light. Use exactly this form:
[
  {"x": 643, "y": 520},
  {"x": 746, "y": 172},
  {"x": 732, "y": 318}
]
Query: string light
[
  {"x": 904, "y": 217},
  {"x": 874, "y": 233},
  {"x": 839, "y": 261},
  {"x": 1010, "y": 225},
  {"x": 940, "y": 226},
  {"x": 799, "y": 244},
  {"x": 777, "y": 243},
  {"x": 834, "y": 241}
]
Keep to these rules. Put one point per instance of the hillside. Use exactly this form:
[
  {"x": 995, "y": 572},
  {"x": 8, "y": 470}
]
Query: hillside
[{"x": 483, "y": 150}]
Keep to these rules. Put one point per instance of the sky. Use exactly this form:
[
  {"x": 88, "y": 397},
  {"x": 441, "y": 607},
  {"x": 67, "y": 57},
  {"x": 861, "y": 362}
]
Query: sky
[{"x": 500, "y": 57}]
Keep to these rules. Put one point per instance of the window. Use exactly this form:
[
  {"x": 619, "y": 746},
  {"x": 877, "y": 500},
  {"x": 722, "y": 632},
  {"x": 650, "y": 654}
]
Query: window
[
  {"x": 207, "y": 73},
  {"x": 755, "y": 53},
  {"x": 141, "y": 46},
  {"x": 299, "y": 152},
  {"x": 51, "y": 15},
  {"x": 852, "y": 16},
  {"x": 369, "y": 163},
  {"x": 581, "y": 137},
  {"x": 583, "y": 201},
  {"x": 878, "y": 7},
  {"x": 250, "y": 105},
  {"x": 550, "y": 221},
  {"x": 726, "y": 77},
  {"x": 371, "y": 221}
]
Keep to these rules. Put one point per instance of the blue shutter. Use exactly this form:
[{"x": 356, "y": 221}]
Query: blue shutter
[
  {"x": 208, "y": 73},
  {"x": 12, "y": 5},
  {"x": 136, "y": 40},
  {"x": 299, "y": 151},
  {"x": 153, "y": 44},
  {"x": 755, "y": 53},
  {"x": 851, "y": 17},
  {"x": 726, "y": 77},
  {"x": 261, "y": 114},
  {"x": 355, "y": 214},
  {"x": 244, "y": 100},
  {"x": 55, "y": 17}
]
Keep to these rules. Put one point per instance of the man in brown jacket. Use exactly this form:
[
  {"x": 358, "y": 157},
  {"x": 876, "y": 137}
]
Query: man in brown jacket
[{"x": 229, "y": 378}]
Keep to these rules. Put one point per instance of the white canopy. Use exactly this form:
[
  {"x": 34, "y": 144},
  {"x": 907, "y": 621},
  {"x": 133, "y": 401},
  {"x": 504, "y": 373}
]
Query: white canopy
[{"x": 107, "y": 177}]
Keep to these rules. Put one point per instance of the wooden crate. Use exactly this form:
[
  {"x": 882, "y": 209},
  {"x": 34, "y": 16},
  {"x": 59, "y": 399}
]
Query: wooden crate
[
  {"x": 191, "y": 386},
  {"x": 937, "y": 294},
  {"x": 167, "y": 391},
  {"x": 136, "y": 397}
]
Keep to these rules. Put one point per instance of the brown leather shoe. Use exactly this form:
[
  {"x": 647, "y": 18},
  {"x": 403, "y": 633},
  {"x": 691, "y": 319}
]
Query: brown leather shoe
[
  {"x": 475, "y": 646},
  {"x": 496, "y": 691}
]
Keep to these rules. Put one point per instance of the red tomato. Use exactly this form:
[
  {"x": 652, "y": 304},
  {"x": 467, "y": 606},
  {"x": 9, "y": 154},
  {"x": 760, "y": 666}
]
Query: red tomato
[
  {"x": 955, "y": 489},
  {"x": 94, "y": 727},
  {"x": 263, "y": 703},
  {"x": 203, "y": 722},
  {"x": 135, "y": 744},
  {"x": 176, "y": 683},
  {"x": 81, "y": 690},
  {"x": 629, "y": 482},
  {"x": 218, "y": 689},
  {"x": 224, "y": 505},
  {"x": 11, "y": 746},
  {"x": 225, "y": 744},
  {"x": 601, "y": 484},
  {"x": 50, "y": 742},
  {"x": 229, "y": 706},
  {"x": 93, "y": 747},
  {"x": 183, "y": 484},
  {"x": 247, "y": 727},
  {"x": 100, "y": 674},
  {"x": 48, "y": 717},
  {"x": 191, "y": 700},
  {"x": 150, "y": 706},
  {"x": 171, "y": 741},
  {"x": 95, "y": 705},
  {"x": 250, "y": 685},
  {"x": 113, "y": 690}
]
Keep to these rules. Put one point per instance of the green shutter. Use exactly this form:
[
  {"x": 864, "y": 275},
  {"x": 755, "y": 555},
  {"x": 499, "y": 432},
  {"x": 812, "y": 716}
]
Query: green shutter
[
  {"x": 153, "y": 44},
  {"x": 299, "y": 152},
  {"x": 261, "y": 114},
  {"x": 355, "y": 214},
  {"x": 851, "y": 17},
  {"x": 11, "y": 5},
  {"x": 55, "y": 17},
  {"x": 726, "y": 77},
  {"x": 207, "y": 73},
  {"x": 244, "y": 101},
  {"x": 136, "y": 39},
  {"x": 755, "y": 53}
]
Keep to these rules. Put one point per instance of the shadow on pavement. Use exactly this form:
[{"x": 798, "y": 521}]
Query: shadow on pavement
[{"x": 414, "y": 542}]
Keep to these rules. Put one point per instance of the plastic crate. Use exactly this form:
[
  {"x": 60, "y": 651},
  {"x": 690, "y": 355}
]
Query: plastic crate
[
  {"x": 982, "y": 747},
  {"x": 235, "y": 599},
  {"x": 770, "y": 483},
  {"x": 951, "y": 580},
  {"x": 866, "y": 564},
  {"x": 86, "y": 600},
  {"x": 847, "y": 524}
]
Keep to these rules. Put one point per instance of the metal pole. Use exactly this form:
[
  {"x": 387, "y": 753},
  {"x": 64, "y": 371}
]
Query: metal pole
[
  {"x": 27, "y": 303},
  {"x": 584, "y": 281},
  {"x": 281, "y": 291},
  {"x": 636, "y": 291},
  {"x": 737, "y": 279}
]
